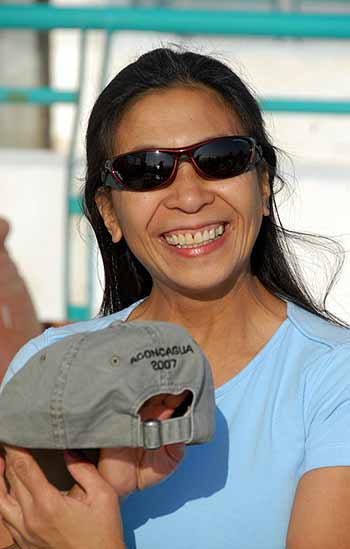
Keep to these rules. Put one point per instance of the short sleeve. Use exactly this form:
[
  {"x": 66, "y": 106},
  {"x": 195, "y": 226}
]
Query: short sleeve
[{"x": 327, "y": 412}]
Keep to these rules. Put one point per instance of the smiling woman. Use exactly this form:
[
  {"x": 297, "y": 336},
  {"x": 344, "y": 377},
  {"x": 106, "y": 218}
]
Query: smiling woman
[
  {"x": 180, "y": 191},
  {"x": 225, "y": 196}
]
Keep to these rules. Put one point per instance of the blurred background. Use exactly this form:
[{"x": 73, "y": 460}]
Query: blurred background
[{"x": 298, "y": 68}]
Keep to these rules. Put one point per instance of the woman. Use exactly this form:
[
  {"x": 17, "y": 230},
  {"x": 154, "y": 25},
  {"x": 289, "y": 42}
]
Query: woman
[{"x": 180, "y": 191}]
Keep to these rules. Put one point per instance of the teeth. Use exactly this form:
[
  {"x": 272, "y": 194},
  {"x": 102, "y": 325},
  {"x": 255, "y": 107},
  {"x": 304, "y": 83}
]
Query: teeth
[
  {"x": 188, "y": 240},
  {"x": 198, "y": 238}
]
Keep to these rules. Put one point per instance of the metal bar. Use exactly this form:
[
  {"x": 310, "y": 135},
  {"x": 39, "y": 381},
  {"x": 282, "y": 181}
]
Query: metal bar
[
  {"x": 76, "y": 313},
  {"x": 282, "y": 24},
  {"x": 37, "y": 95},
  {"x": 107, "y": 48},
  {"x": 72, "y": 201},
  {"x": 74, "y": 205},
  {"x": 305, "y": 106},
  {"x": 42, "y": 96}
]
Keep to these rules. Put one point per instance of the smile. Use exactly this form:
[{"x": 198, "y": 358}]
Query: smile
[{"x": 193, "y": 239}]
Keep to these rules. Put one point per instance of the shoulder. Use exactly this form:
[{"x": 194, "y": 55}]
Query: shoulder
[
  {"x": 320, "y": 352},
  {"x": 53, "y": 335},
  {"x": 315, "y": 343},
  {"x": 317, "y": 331},
  {"x": 314, "y": 353}
]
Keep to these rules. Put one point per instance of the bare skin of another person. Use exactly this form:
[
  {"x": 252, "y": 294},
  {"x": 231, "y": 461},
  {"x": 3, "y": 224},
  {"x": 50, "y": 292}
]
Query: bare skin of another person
[{"x": 18, "y": 320}]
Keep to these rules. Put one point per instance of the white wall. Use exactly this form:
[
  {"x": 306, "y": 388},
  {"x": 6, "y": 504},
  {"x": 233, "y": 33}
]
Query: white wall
[{"x": 32, "y": 183}]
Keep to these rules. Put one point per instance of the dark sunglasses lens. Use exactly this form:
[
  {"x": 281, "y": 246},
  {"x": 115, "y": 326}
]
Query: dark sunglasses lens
[
  {"x": 144, "y": 170},
  {"x": 226, "y": 157}
]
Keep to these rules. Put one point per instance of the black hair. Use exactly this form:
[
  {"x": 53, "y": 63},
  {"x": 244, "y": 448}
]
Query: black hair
[{"x": 273, "y": 260}]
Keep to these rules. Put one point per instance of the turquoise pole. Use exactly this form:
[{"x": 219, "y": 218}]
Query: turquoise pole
[
  {"x": 319, "y": 106},
  {"x": 306, "y": 25},
  {"x": 45, "y": 96},
  {"x": 42, "y": 96}
]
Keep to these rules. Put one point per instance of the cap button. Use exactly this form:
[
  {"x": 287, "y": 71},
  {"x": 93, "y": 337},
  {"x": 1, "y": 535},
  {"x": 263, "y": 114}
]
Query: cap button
[{"x": 115, "y": 360}]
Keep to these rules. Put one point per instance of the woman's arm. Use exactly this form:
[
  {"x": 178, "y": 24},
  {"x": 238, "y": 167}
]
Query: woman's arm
[
  {"x": 320, "y": 516},
  {"x": 38, "y": 515}
]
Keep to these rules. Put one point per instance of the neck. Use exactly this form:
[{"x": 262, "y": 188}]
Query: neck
[{"x": 229, "y": 329}]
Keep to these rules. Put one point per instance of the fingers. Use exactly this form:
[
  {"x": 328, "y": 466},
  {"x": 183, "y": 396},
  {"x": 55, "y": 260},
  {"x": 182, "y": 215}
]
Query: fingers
[
  {"x": 10, "y": 516},
  {"x": 18, "y": 489},
  {"x": 87, "y": 476},
  {"x": 9, "y": 509},
  {"x": 26, "y": 478},
  {"x": 173, "y": 401},
  {"x": 6, "y": 536},
  {"x": 162, "y": 406},
  {"x": 77, "y": 493},
  {"x": 3, "y": 489}
]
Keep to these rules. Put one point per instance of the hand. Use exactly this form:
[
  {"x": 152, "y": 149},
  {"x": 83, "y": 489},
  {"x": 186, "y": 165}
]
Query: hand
[
  {"x": 39, "y": 516},
  {"x": 18, "y": 320},
  {"x": 130, "y": 469}
]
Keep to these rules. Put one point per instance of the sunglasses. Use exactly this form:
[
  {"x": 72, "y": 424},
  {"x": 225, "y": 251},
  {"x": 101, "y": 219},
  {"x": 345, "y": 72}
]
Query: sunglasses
[{"x": 148, "y": 169}]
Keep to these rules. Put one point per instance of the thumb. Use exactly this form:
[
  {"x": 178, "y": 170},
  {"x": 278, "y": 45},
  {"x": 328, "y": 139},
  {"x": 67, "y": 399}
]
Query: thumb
[
  {"x": 3, "y": 488},
  {"x": 4, "y": 230},
  {"x": 85, "y": 474}
]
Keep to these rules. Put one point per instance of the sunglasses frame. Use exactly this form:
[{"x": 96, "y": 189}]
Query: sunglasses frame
[{"x": 110, "y": 179}]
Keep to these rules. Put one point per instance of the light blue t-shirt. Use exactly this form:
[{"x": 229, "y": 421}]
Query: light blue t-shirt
[{"x": 285, "y": 413}]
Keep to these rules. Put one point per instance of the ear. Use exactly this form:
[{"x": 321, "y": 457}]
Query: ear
[
  {"x": 265, "y": 191},
  {"x": 105, "y": 207}
]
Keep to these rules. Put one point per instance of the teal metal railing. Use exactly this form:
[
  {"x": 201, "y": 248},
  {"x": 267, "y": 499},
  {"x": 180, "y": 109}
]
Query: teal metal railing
[
  {"x": 46, "y": 96},
  {"x": 42, "y": 96},
  {"x": 279, "y": 24},
  {"x": 268, "y": 24}
]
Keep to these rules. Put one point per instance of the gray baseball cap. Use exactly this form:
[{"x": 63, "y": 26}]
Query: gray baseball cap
[{"x": 85, "y": 391}]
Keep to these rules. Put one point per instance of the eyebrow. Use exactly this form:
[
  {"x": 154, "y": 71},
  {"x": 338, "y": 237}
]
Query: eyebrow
[{"x": 144, "y": 147}]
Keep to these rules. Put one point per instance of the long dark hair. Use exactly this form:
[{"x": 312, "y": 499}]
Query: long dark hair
[{"x": 273, "y": 261}]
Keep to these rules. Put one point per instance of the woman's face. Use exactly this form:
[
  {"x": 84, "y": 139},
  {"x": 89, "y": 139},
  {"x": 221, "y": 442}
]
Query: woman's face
[{"x": 179, "y": 117}]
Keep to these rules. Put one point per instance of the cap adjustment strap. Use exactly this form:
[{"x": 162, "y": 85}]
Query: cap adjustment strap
[{"x": 156, "y": 433}]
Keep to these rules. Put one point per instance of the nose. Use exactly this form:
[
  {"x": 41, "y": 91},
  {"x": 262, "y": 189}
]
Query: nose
[{"x": 189, "y": 192}]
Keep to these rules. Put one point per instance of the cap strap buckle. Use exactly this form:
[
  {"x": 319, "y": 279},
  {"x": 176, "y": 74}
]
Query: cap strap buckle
[
  {"x": 156, "y": 433},
  {"x": 152, "y": 436}
]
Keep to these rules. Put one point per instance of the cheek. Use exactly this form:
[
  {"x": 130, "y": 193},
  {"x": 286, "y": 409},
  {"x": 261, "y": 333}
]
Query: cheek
[
  {"x": 134, "y": 212},
  {"x": 244, "y": 196}
]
